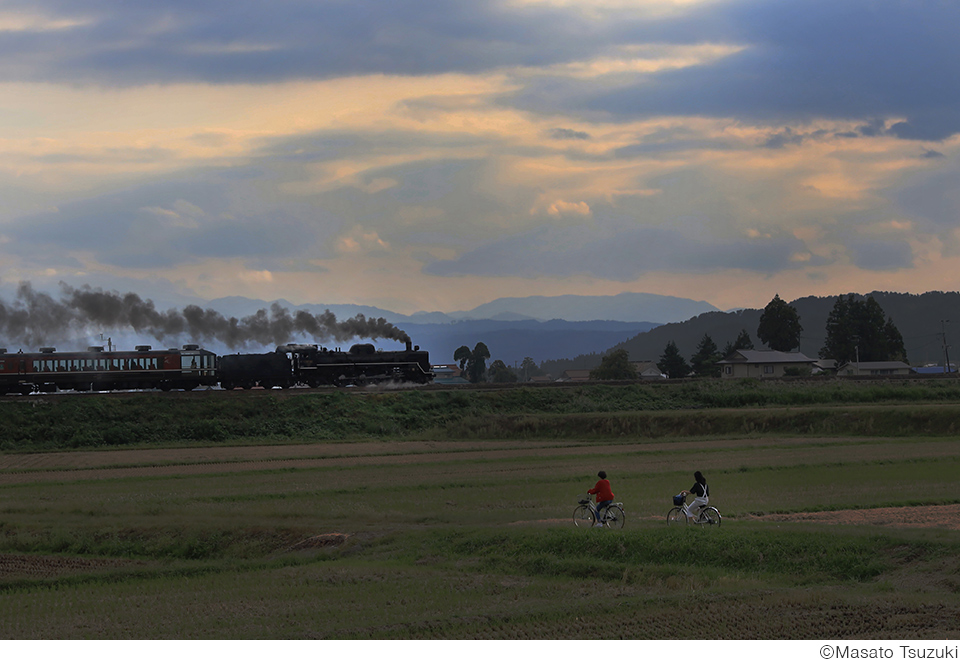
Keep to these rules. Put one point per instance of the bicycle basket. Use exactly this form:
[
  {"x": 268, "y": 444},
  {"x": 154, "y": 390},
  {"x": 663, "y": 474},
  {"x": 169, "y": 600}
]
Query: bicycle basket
[
  {"x": 583, "y": 501},
  {"x": 678, "y": 500}
]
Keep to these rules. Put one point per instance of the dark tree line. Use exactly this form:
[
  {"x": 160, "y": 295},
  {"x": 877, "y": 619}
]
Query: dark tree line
[{"x": 857, "y": 330}]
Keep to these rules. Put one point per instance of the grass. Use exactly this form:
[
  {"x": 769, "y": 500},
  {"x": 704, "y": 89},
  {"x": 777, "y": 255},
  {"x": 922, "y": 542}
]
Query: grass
[
  {"x": 456, "y": 537},
  {"x": 825, "y": 407}
]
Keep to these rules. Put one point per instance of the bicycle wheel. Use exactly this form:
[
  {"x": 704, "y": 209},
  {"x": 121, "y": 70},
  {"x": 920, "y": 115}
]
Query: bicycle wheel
[
  {"x": 583, "y": 516},
  {"x": 614, "y": 518},
  {"x": 709, "y": 516},
  {"x": 676, "y": 517}
]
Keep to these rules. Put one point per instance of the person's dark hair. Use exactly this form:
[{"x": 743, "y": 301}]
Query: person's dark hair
[
  {"x": 699, "y": 477},
  {"x": 602, "y": 474}
]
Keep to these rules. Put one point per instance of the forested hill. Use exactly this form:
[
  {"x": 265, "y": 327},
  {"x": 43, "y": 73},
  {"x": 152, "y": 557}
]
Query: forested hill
[{"x": 918, "y": 317}]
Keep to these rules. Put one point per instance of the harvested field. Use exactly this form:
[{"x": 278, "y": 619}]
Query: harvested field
[
  {"x": 474, "y": 539},
  {"x": 13, "y": 566}
]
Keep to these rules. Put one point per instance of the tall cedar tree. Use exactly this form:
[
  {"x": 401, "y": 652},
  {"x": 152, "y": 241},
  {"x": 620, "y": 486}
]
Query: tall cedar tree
[
  {"x": 473, "y": 363},
  {"x": 704, "y": 361},
  {"x": 742, "y": 343},
  {"x": 859, "y": 329},
  {"x": 615, "y": 366},
  {"x": 672, "y": 363},
  {"x": 780, "y": 326}
]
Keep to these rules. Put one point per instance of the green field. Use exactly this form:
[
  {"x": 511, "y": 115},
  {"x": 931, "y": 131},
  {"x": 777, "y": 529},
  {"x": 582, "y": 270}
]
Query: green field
[{"x": 423, "y": 514}]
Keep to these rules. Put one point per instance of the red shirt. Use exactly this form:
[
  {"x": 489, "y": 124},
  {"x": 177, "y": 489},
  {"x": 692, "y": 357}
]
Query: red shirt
[{"x": 602, "y": 491}]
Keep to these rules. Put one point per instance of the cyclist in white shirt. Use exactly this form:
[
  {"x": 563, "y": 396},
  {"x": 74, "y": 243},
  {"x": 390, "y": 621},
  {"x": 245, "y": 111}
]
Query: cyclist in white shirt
[{"x": 701, "y": 493}]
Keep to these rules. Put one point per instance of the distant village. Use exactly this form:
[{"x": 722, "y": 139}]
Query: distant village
[{"x": 741, "y": 364}]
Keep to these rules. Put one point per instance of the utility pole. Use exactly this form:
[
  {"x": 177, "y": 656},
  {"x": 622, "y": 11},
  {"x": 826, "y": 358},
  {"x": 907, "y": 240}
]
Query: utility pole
[{"x": 946, "y": 354}]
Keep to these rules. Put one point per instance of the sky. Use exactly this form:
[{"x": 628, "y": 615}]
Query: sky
[{"x": 421, "y": 155}]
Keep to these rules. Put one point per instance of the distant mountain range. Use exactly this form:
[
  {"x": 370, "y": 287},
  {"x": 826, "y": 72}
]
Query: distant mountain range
[
  {"x": 539, "y": 327},
  {"x": 625, "y": 307}
]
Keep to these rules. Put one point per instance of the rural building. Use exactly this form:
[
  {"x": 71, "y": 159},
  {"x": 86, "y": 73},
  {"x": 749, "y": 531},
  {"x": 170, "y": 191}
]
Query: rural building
[
  {"x": 541, "y": 379},
  {"x": 762, "y": 364},
  {"x": 574, "y": 376},
  {"x": 874, "y": 369},
  {"x": 449, "y": 374},
  {"x": 648, "y": 370},
  {"x": 825, "y": 366}
]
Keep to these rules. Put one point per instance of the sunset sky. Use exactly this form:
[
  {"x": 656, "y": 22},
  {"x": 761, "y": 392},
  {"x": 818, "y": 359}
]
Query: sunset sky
[{"x": 435, "y": 155}]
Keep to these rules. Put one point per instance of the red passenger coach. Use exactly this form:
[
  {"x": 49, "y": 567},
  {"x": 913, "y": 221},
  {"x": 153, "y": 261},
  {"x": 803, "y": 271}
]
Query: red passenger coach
[{"x": 96, "y": 369}]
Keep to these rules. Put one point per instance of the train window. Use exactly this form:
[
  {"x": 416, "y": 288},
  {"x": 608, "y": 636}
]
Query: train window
[{"x": 188, "y": 361}]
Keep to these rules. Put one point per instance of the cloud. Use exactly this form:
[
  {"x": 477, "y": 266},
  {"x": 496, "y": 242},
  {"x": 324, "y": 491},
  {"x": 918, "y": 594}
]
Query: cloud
[
  {"x": 620, "y": 255},
  {"x": 790, "y": 61},
  {"x": 175, "y": 221},
  {"x": 568, "y": 134},
  {"x": 217, "y": 41},
  {"x": 881, "y": 255},
  {"x": 801, "y": 60},
  {"x": 932, "y": 198},
  {"x": 561, "y": 207}
]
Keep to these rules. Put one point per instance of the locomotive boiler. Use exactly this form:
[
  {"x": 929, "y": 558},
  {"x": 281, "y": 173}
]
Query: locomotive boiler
[{"x": 314, "y": 366}]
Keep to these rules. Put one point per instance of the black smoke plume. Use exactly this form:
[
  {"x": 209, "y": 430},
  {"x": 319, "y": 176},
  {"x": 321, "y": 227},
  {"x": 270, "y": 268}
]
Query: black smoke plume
[{"x": 36, "y": 318}]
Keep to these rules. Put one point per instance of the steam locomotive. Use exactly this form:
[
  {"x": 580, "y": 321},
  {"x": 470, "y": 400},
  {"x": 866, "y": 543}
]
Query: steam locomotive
[{"x": 192, "y": 367}]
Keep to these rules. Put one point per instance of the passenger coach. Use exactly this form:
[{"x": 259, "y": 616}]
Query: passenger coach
[{"x": 94, "y": 369}]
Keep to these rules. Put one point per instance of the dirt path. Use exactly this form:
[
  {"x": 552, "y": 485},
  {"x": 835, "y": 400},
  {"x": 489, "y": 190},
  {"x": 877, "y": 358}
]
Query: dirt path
[{"x": 946, "y": 516}]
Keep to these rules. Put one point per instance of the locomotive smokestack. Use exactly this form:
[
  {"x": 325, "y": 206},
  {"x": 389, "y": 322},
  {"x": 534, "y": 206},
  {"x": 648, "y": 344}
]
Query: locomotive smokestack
[
  {"x": 37, "y": 318},
  {"x": 409, "y": 346}
]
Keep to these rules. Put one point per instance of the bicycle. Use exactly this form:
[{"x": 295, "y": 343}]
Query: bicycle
[
  {"x": 709, "y": 515},
  {"x": 585, "y": 515}
]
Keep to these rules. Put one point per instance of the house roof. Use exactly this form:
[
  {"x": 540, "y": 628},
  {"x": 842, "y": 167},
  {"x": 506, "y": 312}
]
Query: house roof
[
  {"x": 877, "y": 365},
  {"x": 645, "y": 364},
  {"x": 766, "y": 357},
  {"x": 575, "y": 374}
]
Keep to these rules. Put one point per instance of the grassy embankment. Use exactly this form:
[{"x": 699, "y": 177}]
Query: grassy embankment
[
  {"x": 444, "y": 535},
  {"x": 589, "y": 412}
]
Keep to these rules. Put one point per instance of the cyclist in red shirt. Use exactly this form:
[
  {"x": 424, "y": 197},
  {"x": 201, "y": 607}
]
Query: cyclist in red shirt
[{"x": 603, "y": 493}]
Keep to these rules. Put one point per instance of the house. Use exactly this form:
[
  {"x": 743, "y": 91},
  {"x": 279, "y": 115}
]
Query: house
[
  {"x": 825, "y": 366},
  {"x": 874, "y": 369},
  {"x": 449, "y": 374},
  {"x": 648, "y": 370},
  {"x": 574, "y": 376},
  {"x": 763, "y": 364},
  {"x": 541, "y": 379}
]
